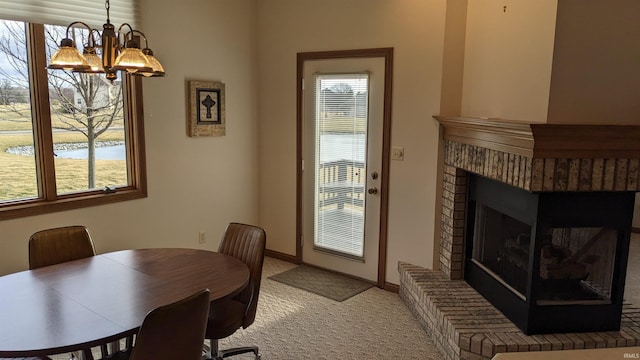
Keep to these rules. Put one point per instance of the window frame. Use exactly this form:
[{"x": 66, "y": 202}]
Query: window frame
[{"x": 48, "y": 200}]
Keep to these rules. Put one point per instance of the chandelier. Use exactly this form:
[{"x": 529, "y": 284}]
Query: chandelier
[{"x": 116, "y": 56}]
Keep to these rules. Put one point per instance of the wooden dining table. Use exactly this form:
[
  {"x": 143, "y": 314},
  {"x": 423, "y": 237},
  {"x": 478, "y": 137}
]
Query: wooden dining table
[{"x": 89, "y": 302}]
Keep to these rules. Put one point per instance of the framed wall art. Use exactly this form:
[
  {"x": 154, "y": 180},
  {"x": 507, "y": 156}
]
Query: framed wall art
[{"x": 206, "y": 108}]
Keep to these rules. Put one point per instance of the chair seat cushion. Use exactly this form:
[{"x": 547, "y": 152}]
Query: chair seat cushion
[{"x": 225, "y": 317}]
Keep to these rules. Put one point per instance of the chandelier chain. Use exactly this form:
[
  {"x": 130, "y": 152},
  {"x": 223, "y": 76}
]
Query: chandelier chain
[{"x": 107, "y": 6}]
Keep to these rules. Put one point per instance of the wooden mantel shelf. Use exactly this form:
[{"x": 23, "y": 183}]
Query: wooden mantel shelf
[{"x": 540, "y": 140}]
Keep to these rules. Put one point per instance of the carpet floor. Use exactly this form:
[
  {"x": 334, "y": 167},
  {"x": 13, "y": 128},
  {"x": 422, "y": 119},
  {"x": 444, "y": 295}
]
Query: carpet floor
[{"x": 296, "y": 324}]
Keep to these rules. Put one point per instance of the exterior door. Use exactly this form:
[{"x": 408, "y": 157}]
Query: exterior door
[{"x": 343, "y": 106}]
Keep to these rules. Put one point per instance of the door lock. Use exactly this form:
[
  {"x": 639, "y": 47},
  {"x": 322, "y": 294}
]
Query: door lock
[
  {"x": 374, "y": 175},
  {"x": 373, "y": 190}
]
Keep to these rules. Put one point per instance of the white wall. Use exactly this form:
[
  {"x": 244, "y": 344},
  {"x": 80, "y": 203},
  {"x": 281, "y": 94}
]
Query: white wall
[
  {"x": 415, "y": 29},
  {"x": 508, "y": 58},
  {"x": 595, "y": 63},
  {"x": 195, "y": 184}
]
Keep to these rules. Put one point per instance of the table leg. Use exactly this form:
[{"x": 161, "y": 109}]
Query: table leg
[
  {"x": 114, "y": 347},
  {"x": 87, "y": 354},
  {"x": 82, "y": 355}
]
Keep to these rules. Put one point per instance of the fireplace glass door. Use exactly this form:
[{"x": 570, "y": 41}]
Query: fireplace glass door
[
  {"x": 577, "y": 265},
  {"x": 501, "y": 246}
]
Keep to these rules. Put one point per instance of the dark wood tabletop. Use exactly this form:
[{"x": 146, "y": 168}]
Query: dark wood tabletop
[{"x": 92, "y": 301}]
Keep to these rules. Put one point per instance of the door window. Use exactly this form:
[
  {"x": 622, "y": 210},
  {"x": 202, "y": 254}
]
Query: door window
[{"x": 340, "y": 118}]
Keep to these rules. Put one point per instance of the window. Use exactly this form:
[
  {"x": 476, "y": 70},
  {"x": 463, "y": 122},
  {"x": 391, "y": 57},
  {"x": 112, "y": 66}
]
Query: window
[{"x": 67, "y": 140}]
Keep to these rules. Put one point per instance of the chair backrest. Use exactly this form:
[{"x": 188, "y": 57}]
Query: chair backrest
[
  {"x": 174, "y": 331},
  {"x": 247, "y": 243},
  {"x": 58, "y": 245}
]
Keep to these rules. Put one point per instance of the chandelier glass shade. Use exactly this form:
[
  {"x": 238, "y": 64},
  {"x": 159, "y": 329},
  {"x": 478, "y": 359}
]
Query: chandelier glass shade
[
  {"x": 68, "y": 58},
  {"x": 115, "y": 56}
]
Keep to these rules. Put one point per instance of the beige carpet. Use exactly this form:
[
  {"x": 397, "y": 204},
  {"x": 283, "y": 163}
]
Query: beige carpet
[
  {"x": 323, "y": 283},
  {"x": 295, "y": 324}
]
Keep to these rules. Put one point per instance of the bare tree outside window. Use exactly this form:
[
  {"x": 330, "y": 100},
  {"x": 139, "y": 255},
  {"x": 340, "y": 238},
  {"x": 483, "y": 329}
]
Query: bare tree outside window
[
  {"x": 14, "y": 85},
  {"x": 18, "y": 174}
]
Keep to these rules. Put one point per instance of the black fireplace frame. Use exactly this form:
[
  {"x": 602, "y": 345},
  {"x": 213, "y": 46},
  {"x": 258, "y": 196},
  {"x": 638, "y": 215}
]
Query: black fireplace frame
[{"x": 544, "y": 210}]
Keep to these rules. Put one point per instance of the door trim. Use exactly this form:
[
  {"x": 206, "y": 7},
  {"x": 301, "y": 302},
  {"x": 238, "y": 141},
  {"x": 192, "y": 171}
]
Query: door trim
[{"x": 387, "y": 54}]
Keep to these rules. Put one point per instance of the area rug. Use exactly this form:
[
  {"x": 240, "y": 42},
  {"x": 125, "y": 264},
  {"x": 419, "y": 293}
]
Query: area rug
[{"x": 323, "y": 283}]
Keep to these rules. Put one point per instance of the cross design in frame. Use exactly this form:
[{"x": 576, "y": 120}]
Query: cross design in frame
[{"x": 208, "y": 102}]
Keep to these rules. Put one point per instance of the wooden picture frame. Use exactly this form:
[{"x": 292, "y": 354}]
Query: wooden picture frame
[{"x": 206, "y": 104}]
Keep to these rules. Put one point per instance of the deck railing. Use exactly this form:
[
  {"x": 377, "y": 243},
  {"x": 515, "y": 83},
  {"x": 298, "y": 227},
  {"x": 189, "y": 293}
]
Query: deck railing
[{"x": 341, "y": 182}]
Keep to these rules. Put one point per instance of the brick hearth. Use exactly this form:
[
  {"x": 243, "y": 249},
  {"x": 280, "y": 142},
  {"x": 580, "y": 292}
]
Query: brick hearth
[{"x": 466, "y": 326}]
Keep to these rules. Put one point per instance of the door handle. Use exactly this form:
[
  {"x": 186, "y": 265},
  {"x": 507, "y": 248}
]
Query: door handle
[{"x": 373, "y": 190}]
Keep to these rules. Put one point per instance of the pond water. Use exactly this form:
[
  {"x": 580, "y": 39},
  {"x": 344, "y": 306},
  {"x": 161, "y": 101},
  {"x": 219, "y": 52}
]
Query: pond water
[
  {"x": 337, "y": 146},
  {"x": 116, "y": 152},
  {"x": 334, "y": 147}
]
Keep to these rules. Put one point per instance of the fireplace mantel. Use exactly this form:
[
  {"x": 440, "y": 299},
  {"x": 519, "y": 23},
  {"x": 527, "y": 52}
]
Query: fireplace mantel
[
  {"x": 540, "y": 140},
  {"x": 545, "y": 157}
]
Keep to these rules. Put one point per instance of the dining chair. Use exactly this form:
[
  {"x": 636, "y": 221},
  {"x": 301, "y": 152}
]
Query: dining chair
[
  {"x": 58, "y": 245},
  {"x": 246, "y": 243},
  {"x": 62, "y": 244},
  {"x": 170, "y": 332}
]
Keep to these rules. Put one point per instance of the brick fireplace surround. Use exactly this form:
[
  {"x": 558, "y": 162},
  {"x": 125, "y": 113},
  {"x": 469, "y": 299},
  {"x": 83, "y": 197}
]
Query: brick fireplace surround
[{"x": 533, "y": 157}]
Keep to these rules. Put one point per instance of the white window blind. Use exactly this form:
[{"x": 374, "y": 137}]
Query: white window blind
[
  {"x": 341, "y": 112},
  {"x": 63, "y": 12}
]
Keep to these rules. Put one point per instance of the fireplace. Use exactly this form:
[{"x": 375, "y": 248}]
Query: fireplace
[
  {"x": 562, "y": 196},
  {"x": 550, "y": 261},
  {"x": 537, "y": 218}
]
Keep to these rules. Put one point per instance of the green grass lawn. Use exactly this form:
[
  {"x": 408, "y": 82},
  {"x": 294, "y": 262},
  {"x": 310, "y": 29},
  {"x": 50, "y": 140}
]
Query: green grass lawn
[
  {"x": 337, "y": 123},
  {"x": 16, "y": 117},
  {"x": 18, "y": 175}
]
